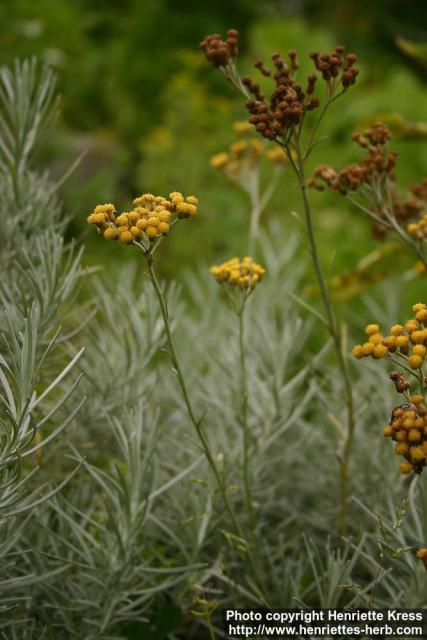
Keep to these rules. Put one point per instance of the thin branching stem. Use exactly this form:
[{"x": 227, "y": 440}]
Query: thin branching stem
[
  {"x": 298, "y": 164},
  {"x": 197, "y": 423},
  {"x": 244, "y": 411}
]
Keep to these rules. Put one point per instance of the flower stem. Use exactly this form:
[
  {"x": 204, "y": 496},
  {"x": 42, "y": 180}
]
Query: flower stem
[
  {"x": 244, "y": 414},
  {"x": 197, "y": 422},
  {"x": 298, "y": 166}
]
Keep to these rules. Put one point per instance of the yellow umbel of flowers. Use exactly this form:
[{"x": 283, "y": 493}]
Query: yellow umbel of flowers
[
  {"x": 246, "y": 153},
  {"x": 244, "y": 274},
  {"x": 409, "y": 340},
  {"x": 151, "y": 217}
]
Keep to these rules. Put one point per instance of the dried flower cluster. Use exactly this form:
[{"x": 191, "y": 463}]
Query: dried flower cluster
[
  {"x": 368, "y": 179},
  {"x": 408, "y": 428},
  {"x": 284, "y": 110},
  {"x": 218, "y": 52},
  {"x": 151, "y": 217},
  {"x": 244, "y": 274},
  {"x": 286, "y": 107},
  {"x": 409, "y": 340},
  {"x": 374, "y": 168}
]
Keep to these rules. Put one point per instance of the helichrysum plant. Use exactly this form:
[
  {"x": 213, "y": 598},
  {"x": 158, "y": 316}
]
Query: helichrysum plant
[
  {"x": 405, "y": 346},
  {"x": 243, "y": 276},
  {"x": 144, "y": 227},
  {"x": 281, "y": 117}
]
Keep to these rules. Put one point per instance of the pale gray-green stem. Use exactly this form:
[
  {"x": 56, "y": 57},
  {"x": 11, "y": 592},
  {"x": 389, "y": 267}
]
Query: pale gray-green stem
[
  {"x": 298, "y": 164},
  {"x": 197, "y": 423},
  {"x": 244, "y": 415}
]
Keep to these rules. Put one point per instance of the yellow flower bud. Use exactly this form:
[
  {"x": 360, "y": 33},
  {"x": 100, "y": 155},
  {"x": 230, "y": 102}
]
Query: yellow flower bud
[
  {"x": 125, "y": 236},
  {"x": 358, "y": 351},
  {"x": 371, "y": 329},
  {"x": 415, "y": 362},
  {"x": 380, "y": 351}
]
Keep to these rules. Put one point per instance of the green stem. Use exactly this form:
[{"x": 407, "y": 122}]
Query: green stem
[
  {"x": 336, "y": 338},
  {"x": 255, "y": 212},
  {"x": 197, "y": 423},
  {"x": 244, "y": 416}
]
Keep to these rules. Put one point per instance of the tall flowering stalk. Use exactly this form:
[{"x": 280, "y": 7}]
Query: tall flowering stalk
[
  {"x": 242, "y": 276},
  {"x": 281, "y": 118},
  {"x": 144, "y": 227}
]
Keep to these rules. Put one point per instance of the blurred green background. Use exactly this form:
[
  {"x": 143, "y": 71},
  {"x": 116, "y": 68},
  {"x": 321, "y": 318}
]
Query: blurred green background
[{"x": 142, "y": 102}]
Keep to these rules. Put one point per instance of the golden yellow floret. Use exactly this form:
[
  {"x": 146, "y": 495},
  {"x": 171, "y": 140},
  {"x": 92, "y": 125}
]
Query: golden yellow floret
[
  {"x": 422, "y": 555},
  {"x": 402, "y": 448},
  {"x": 122, "y": 220},
  {"x": 371, "y": 329},
  {"x": 242, "y": 127},
  {"x": 414, "y": 435},
  {"x": 163, "y": 228},
  {"x": 421, "y": 316},
  {"x": 380, "y": 351},
  {"x": 125, "y": 236},
  {"x": 419, "y": 306},
  {"x": 402, "y": 341},
  {"x": 277, "y": 156},
  {"x": 151, "y": 231},
  {"x": 164, "y": 216},
  {"x": 397, "y": 330},
  {"x": 176, "y": 197},
  {"x": 406, "y": 467},
  {"x": 417, "y": 337},
  {"x": 417, "y": 454},
  {"x": 136, "y": 233},
  {"x": 419, "y": 350},
  {"x": 411, "y": 325},
  {"x": 111, "y": 233},
  {"x": 368, "y": 348},
  {"x": 415, "y": 362},
  {"x": 185, "y": 210},
  {"x": 357, "y": 351},
  {"x": 219, "y": 160},
  {"x": 237, "y": 149}
]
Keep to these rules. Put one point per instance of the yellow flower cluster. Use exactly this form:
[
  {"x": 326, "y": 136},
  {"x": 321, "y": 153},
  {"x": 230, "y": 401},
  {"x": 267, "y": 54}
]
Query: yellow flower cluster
[
  {"x": 151, "y": 216},
  {"x": 409, "y": 339},
  {"x": 408, "y": 427},
  {"x": 245, "y": 154},
  {"x": 422, "y": 555},
  {"x": 244, "y": 274},
  {"x": 418, "y": 229}
]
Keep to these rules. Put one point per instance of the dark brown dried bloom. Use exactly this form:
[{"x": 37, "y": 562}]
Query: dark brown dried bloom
[
  {"x": 399, "y": 381},
  {"x": 218, "y": 52},
  {"x": 373, "y": 171}
]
